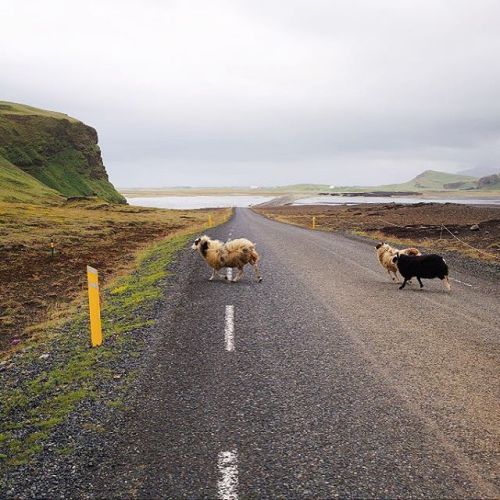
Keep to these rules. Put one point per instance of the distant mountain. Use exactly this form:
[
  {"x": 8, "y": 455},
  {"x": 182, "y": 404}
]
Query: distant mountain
[
  {"x": 59, "y": 152},
  {"x": 489, "y": 182},
  {"x": 480, "y": 171},
  {"x": 432, "y": 180}
]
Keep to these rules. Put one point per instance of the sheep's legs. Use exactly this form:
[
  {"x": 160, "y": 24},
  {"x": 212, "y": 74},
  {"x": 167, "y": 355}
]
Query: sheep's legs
[
  {"x": 238, "y": 275},
  {"x": 420, "y": 282},
  {"x": 393, "y": 278},
  {"x": 257, "y": 272},
  {"x": 446, "y": 283},
  {"x": 215, "y": 274},
  {"x": 403, "y": 285}
]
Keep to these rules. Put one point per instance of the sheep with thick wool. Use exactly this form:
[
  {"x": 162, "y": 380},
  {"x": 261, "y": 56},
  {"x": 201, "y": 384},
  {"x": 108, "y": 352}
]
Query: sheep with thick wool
[
  {"x": 385, "y": 254},
  {"x": 422, "y": 266},
  {"x": 234, "y": 253}
]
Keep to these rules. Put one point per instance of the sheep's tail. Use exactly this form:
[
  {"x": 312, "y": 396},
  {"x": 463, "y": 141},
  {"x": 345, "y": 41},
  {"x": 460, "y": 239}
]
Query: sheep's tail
[{"x": 254, "y": 256}]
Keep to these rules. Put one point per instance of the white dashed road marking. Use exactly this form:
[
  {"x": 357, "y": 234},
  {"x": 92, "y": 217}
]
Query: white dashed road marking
[
  {"x": 229, "y": 328},
  {"x": 229, "y": 273},
  {"x": 463, "y": 282},
  {"x": 227, "y": 485}
]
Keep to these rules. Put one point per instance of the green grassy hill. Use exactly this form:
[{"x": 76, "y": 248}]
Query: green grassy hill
[
  {"x": 19, "y": 187},
  {"x": 58, "y": 151},
  {"x": 432, "y": 180}
]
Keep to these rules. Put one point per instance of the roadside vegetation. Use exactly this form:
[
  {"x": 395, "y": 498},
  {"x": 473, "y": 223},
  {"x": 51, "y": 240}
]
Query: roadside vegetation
[
  {"x": 53, "y": 370},
  {"x": 40, "y": 282},
  {"x": 59, "y": 213},
  {"x": 472, "y": 230}
]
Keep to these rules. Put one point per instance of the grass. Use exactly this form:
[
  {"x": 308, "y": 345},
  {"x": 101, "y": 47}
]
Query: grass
[
  {"x": 63, "y": 173},
  {"x": 32, "y": 408},
  {"x": 37, "y": 286},
  {"x": 13, "y": 108},
  {"x": 60, "y": 152},
  {"x": 16, "y": 186}
]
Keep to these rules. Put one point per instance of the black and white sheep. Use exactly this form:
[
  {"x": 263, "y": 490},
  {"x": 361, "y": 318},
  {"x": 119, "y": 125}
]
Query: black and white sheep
[
  {"x": 385, "y": 253},
  {"x": 422, "y": 266}
]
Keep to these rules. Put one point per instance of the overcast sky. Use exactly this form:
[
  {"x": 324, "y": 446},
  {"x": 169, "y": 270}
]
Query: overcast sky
[{"x": 264, "y": 92}]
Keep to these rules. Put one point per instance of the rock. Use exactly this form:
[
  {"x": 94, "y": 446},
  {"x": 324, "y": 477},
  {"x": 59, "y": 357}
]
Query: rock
[
  {"x": 44, "y": 356},
  {"x": 474, "y": 227}
]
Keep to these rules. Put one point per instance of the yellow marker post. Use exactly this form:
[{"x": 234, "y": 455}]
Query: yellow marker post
[
  {"x": 314, "y": 223},
  {"x": 210, "y": 221},
  {"x": 94, "y": 307}
]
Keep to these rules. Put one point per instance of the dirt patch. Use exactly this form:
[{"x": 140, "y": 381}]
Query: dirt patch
[
  {"x": 38, "y": 283},
  {"x": 442, "y": 226}
]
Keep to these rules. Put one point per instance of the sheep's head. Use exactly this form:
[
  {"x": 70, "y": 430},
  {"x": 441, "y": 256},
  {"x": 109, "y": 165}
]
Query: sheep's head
[
  {"x": 194, "y": 246},
  {"x": 201, "y": 244},
  {"x": 384, "y": 247},
  {"x": 395, "y": 258}
]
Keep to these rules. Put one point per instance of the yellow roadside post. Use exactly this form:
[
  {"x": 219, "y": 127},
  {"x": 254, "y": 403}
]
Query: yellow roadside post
[
  {"x": 210, "y": 221},
  {"x": 314, "y": 222},
  {"x": 94, "y": 307}
]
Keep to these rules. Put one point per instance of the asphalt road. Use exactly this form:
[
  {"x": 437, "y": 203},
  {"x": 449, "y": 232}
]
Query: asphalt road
[{"x": 339, "y": 384}]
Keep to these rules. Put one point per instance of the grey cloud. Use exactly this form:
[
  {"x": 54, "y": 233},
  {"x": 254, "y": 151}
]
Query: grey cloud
[{"x": 319, "y": 91}]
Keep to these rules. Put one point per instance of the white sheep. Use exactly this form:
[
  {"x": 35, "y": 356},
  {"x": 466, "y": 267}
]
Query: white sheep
[
  {"x": 234, "y": 253},
  {"x": 385, "y": 253}
]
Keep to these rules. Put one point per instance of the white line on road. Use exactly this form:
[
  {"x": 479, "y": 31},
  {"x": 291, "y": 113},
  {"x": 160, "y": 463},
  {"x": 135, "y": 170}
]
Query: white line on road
[
  {"x": 227, "y": 485},
  {"x": 229, "y": 273},
  {"x": 463, "y": 282},
  {"x": 229, "y": 328}
]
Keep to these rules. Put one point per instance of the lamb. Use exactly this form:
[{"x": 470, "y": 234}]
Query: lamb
[
  {"x": 422, "y": 266},
  {"x": 385, "y": 253},
  {"x": 234, "y": 253}
]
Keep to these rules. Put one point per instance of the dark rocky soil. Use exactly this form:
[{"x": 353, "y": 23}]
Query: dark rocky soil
[{"x": 421, "y": 224}]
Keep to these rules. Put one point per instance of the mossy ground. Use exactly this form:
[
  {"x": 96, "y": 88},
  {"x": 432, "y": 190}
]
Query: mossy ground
[
  {"x": 16, "y": 186},
  {"x": 70, "y": 371},
  {"x": 38, "y": 286}
]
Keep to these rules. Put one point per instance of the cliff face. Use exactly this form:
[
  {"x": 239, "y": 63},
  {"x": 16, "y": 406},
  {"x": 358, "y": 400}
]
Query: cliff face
[{"x": 57, "y": 150}]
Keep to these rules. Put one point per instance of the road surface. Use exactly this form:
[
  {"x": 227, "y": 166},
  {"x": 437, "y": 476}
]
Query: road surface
[{"x": 324, "y": 380}]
